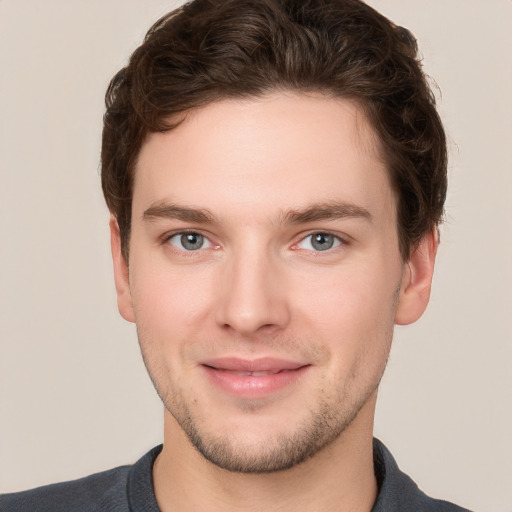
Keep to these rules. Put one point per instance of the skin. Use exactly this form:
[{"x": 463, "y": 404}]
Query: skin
[{"x": 257, "y": 179}]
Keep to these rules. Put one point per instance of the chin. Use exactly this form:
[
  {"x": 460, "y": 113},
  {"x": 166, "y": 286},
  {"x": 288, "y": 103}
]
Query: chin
[{"x": 253, "y": 447}]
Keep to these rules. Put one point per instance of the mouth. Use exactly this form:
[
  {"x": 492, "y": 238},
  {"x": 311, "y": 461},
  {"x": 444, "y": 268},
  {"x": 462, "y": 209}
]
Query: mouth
[
  {"x": 253, "y": 378},
  {"x": 253, "y": 374}
]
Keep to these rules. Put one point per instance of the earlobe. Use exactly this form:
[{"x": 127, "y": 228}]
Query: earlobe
[
  {"x": 121, "y": 274},
  {"x": 417, "y": 280}
]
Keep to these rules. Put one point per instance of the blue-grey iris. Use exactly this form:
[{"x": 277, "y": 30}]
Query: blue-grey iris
[
  {"x": 192, "y": 241},
  {"x": 322, "y": 241}
]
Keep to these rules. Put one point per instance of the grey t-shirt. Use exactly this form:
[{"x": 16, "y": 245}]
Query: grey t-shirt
[{"x": 130, "y": 489}]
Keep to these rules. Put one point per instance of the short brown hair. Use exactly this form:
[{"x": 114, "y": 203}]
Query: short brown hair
[{"x": 213, "y": 49}]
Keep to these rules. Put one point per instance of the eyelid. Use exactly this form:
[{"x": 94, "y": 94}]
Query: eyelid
[{"x": 183, "y": 231}]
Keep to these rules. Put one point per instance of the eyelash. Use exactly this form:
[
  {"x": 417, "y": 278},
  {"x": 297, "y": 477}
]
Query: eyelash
[
  {"x": 337, "y": 241},
  {"x": 168, "y": 238}
]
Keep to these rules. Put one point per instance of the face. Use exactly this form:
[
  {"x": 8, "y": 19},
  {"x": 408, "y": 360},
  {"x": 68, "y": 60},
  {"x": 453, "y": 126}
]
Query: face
[{"x": 265, "y": 276}]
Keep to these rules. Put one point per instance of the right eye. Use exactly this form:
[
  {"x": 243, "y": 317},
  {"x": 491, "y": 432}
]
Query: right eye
[{"x": 189, "y": 241}]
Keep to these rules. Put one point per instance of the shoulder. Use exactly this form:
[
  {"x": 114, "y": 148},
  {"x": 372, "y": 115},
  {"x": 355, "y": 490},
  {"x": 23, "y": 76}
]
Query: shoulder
[
  {"x": 102, "y": 491},
  {"x": 121, "y": 489},
  {"x": 398, "y": 492}
]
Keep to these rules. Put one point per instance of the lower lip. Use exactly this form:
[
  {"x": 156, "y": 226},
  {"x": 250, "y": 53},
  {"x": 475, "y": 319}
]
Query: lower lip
[{"x": 250, "y": 386}]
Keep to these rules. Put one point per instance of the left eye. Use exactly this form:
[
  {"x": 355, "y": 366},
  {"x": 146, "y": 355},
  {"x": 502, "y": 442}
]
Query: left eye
[
  {"x": 319, "y": 242},
  {"x": 189, "y": 241}
]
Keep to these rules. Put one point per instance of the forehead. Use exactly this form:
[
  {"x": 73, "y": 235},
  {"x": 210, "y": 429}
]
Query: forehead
[{"x": 275, "y": 152}]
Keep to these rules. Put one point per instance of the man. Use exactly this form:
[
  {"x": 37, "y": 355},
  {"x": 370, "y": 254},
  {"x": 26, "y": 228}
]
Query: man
[{"x": 276, "y": 174}]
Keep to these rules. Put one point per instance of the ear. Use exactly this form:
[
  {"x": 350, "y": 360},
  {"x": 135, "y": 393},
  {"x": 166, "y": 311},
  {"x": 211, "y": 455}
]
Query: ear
[
  {"x": 121, "y": 274},
  {"x": 417, "y": 280}
]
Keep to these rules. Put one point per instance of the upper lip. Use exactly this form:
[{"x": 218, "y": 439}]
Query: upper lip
[{"x": 264, "y": 364}]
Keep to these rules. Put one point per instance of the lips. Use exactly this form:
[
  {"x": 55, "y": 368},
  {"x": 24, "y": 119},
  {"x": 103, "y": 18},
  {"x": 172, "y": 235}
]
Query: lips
[
  {"x": 264, "y": 364},
  {"x": 253, "y": 378}
]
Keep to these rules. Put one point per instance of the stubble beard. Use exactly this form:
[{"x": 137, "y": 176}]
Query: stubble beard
[
  {"x": 281, "y": 451},
  {"x": 322, "y": 425}
]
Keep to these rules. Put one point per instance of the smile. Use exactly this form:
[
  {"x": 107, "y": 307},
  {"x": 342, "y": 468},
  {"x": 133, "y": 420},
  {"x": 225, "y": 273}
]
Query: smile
[
  {"x": 253, "y": 379},
  {"x": 253, "y": 374}
]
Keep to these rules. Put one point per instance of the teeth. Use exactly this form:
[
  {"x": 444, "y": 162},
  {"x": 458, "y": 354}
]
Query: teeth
[{"x": 254, "y": 374}]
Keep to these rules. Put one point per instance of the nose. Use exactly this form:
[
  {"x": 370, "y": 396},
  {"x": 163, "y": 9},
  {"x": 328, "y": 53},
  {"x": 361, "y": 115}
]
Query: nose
[{"x": 253, "y": 297}]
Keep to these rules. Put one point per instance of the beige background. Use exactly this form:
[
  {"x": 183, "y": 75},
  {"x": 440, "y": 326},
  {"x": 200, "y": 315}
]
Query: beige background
[{"x": 74, "y": 396}]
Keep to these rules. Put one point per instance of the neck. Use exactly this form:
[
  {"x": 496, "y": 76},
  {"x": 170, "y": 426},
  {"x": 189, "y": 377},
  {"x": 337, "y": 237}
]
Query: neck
[{"x": 339, "y": 477}]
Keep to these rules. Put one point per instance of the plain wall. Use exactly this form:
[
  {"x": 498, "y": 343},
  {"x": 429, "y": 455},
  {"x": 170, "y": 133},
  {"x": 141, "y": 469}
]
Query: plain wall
[{"x": 74, "y": 395}]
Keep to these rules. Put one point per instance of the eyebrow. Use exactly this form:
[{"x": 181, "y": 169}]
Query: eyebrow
[
  {"x": 311, "y": 213},
  {"x": 326, "y": 211},
  {"x": 173, "y": 211}
]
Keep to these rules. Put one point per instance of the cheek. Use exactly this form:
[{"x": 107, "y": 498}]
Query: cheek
[
  {"x": 168, "y": 299},
  {"x": 361, "y": 293},
  {"x": 355, "y": 323},
  {"x": 352, "y": 313}
]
